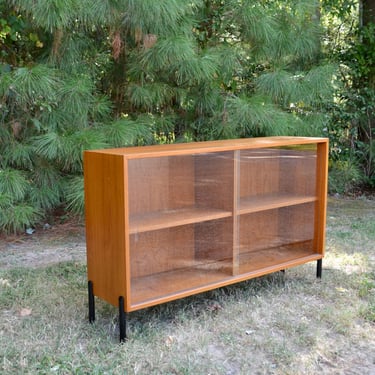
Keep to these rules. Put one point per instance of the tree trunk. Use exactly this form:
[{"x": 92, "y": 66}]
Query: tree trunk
[
  {"x": 56, "y": 44},
  {"x": 367, "y": 129},
  {"x": 368, "y": 17},
  {"x": 368, "y": 12}
]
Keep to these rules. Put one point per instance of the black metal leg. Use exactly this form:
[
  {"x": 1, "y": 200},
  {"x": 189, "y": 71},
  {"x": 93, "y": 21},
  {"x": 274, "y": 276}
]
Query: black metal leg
[
  {"x": 122, "y": 319},
  {"x": 91, "y": 302},
  {"x": 319, "y": 268}
]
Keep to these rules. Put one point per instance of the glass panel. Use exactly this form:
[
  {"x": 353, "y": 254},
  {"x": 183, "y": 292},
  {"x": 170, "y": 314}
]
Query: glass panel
[
  {"x": 181, "y": 223},
  {"x": 273, "y": 237},
  {"x": 179, "y": 190},
  {"x": 276, "y": 206},
  {"x": 271, "y": 178}
]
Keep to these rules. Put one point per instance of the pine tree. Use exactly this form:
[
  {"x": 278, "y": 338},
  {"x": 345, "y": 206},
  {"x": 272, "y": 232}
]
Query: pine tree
[
  {"x": 117, "y": 73},
  {"x": 53, "y": 109}
]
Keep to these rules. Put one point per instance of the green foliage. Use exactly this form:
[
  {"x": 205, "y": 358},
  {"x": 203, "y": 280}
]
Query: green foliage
[
  {"x": 74, "y": 193},
  {"x": 15, "y": 218},
  {"x": 49, "y": 120},
  {"x": 362, "y": 54},
  {"x": 344, "y": 175},
  {"x": 254, "y": 115},
  {"x": 352, "y": 123},
  {"x": 125, "y": 132},
  {"x": 19, "y": 41},
  {"x": 13, "y": 183},
  {"x": 89, "y": 74},
  {"x": 164, "y": 17},
  {"x": 310, "y": 89}
]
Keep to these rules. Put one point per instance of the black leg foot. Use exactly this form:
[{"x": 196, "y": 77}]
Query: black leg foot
[
  {"x": 122, "y": 319},
  {"x": 91, "y": 302},
  {"x": 319, "y": 269}
]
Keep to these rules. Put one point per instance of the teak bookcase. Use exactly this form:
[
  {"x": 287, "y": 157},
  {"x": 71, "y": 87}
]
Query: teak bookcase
[{"x": 168, "y": 221}]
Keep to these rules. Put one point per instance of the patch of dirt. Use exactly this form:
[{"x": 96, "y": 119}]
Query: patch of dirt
[{"x": 59, "y": 243}]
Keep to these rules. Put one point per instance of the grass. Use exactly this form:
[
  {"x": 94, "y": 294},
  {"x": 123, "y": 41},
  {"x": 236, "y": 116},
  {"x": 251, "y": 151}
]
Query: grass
[{"x": 288, "y": 323}]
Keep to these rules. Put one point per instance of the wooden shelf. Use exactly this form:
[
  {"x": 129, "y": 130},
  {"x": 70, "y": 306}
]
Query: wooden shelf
[
  {"x": 173, "y": 218},
  {"x": 272, "y": 259},
  {"x": 272, "y": 201},
  {"x": 167, "y": 286},
  {"x": 153, "y": 289}
]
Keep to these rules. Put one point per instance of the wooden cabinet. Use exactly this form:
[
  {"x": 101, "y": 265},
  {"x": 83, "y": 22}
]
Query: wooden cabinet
[{"x": 167, "y": 221}]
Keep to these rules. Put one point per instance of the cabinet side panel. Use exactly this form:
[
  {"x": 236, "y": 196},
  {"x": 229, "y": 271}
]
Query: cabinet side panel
[
  {"x": 321, "y": 191},
  {"x": 105, "y": 224}
]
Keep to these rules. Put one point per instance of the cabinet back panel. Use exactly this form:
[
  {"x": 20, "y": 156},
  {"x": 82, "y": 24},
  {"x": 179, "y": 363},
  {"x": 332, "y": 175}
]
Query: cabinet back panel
[
  {"x": 296, "y": 223},
  {"x": 259, "y": 231},
  {"x": 279, "y": 227},
  {"x": 298, "y": 172},
  {"x": 259, "y": 172},
  {"x": 214, "y": 240},
  {"x": 214, "y": 174},
  {"x": 270, "y": 171},
  {"x": 161, "y": 250},
  {"x": 157, "y": 184}
]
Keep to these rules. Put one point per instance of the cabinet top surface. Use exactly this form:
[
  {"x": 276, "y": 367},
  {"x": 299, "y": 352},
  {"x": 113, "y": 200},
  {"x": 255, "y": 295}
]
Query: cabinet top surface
[{"x": 208, "y": 146}]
